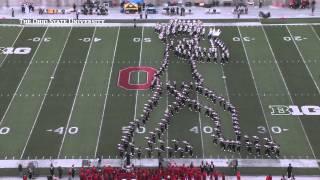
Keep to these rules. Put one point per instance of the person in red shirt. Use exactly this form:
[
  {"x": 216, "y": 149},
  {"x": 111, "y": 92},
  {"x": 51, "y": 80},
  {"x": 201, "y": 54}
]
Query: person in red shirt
[
  {"x": 238, "y": 175},
  {"x": 269, "y": 177}
]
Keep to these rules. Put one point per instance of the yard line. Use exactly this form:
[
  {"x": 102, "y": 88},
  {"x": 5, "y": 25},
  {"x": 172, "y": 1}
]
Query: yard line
[
  {"x": 314, "y": 31},
  {"x": 304, "y": 61},
  {"x": 254, "y": 82},
  {"x": 285, "y": 84},
  {"x": 200, "y": 127},
  {"x": 25, "y": 72},
  {"x": 14, "y": 42},
  {"x": 225, "y": 84},
  {"x": 106, "y": 98},
  {"x": 77, "y": 91},
  {"x": 137, "y": 91},
  {"x": 44, "y": 97},
  {"x": 167, "y": 103}
]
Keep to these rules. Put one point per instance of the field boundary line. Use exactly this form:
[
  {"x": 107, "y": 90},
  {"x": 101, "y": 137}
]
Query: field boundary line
[
  {"x": 255, "y": 84},
  {"x": 44, "y": 97},
  {"x": 285, "y": 84},
  {"x": 304, "y": 61},
  {"x": 151, "y": 24},
  {"x": 78, "y": 163},
  {"x": 23, "y": 76},
  {"x": 77, "y": 91},
  {"x": 14, "y": 42},
  {"x": 137, "y": 91},
  {"x": 106, "y": 98}
]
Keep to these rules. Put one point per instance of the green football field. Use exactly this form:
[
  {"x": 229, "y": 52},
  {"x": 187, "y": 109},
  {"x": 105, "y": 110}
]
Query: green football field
[{"x": 60, "y": 96}]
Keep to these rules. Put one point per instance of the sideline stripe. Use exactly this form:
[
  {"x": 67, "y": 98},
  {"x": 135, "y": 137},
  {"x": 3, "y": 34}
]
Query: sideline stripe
[
  {"x": 257, "y": 163},
  {"x": 153, "y": 24},
  {"x": 106, "y": 98},
  {"x": 44, "y": 97},
  {"x": 77, "y": 91}
]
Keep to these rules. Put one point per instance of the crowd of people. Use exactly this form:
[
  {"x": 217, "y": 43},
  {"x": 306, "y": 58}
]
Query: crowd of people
[
  {"x": 172, "y": 172},
  {"x": 182, "y": 37},
  {"x": 91, "y": 8},
  {"x": 27, "y": 7}
]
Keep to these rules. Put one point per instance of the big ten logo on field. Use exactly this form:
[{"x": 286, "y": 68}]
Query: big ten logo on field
[
  {"x": 13, "y": 50},
  {"x": 294, "y": 110},
  {"x": 124, "y": 79}
]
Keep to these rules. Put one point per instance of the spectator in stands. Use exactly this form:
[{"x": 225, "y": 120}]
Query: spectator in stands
[
  {"x": 304, "y": 4},
  {"x": 12, "y": 12},
  {"x": 20, "y": 169},
  {"x": 23, "y": 8},
  {"x": 60, "y": 172},
  {"x": 260, "y": 3},
  {"x": 51, "y": 170},
  {"x": 73, "y": 171},
  {"x": 77, "y": 15},
  {"x": 74, "y": 7},
  {"x": 31, "y": 8},
  {"x": 238, "y": 175},
  {"x": 289, "y": 171},
  {"x": 269, "y": 177},
  {"x": 313, "y": 6},
  {"x": 30, "y": 173}
]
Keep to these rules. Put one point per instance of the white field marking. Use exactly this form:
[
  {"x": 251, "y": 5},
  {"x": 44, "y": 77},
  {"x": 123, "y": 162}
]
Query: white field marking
[
  {"x": 106, "y": 98},
  {"x": 167, "y": 103},
  {"x": 304, "y": 61},
  {"x": 315, "y": 33},
  {"x": 44, "y": 97},
  {"x": 153, "y": 24},
  {"x": 75, "y": 97},
  {"x": 137, "y": 91},
  {"x": 14, "y": 42},
  {"x": 225, "y": 83},
  {"x": 262, "y": 163},
  {"x": 285, "y": 84},
  {"x": 25, "y": 72},
  {"x": 200, "y": 124},
  {"x": 254, "y": 82}
]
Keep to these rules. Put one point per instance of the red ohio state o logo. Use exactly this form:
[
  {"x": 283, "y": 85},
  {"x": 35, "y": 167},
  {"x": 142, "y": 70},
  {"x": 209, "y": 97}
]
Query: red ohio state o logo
[{"x": 125, "y": 74}]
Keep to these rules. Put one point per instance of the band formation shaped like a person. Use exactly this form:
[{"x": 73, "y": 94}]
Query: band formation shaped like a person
[{"x": 182, "y": 37}]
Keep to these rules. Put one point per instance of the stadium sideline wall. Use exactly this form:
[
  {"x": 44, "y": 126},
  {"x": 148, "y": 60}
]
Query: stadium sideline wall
[{"x": 59, "y": 3}]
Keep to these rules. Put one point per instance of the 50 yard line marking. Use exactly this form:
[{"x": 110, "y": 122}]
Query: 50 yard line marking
[
  {"x": 285, "y": 84},
  {"x": 77, "y": 91},
  {"x": 137, "y": 91},
  {"x": 44, "y": 97},
  {"x": 254, "y": 82},
  {"x": 23, "y": 76},
  {"x": 14, "y": 42},
  {"x": 106, "y": 98}
]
